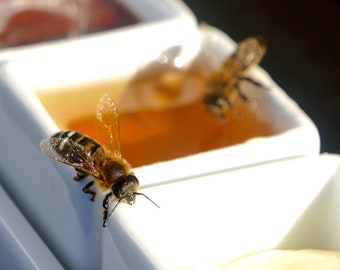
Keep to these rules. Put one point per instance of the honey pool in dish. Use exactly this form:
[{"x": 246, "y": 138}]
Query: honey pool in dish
[{"x": 149, "y": 136}]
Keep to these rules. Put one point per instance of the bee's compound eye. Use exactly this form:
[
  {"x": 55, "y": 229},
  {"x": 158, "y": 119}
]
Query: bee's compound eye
[
  {"x": 131, "y": 178},
  {"x": 130, "y": 199}
]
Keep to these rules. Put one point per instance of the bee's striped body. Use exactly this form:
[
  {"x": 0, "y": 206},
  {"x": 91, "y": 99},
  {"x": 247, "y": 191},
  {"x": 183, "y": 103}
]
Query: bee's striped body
[
  {"x": 63, "y": 147},
  {"x": 110, "y": 169}
]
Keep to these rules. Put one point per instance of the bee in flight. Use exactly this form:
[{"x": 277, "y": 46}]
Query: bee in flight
[
  {"x": 110, "y": 171},
  {"x": 224, "y": 82}
]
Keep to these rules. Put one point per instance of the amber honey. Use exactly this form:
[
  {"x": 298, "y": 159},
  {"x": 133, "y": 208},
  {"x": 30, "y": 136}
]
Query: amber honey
[
  {"x": 152, "y": 136},
  {"x": 66, "y": 103}
]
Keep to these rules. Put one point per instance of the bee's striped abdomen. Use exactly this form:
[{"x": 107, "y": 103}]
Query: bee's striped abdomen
[{"x": 72, "y": 138}]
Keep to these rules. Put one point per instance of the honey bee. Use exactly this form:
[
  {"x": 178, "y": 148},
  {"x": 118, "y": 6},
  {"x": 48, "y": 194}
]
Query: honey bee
[
  {"x": 110, "y": 171},
  {"x": 224, "y": 82}
]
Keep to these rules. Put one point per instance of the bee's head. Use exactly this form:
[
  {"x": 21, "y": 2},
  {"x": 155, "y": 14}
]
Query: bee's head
[
  {"x": 215, "y": 104},
  {"x": 125, "y": 190}
]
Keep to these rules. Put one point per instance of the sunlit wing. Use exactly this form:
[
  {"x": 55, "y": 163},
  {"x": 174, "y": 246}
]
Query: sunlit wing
[
  {"x": 249, "y": 52},
  {"x": 76, "y": 157},
  {"x": 108, "y": 123}
]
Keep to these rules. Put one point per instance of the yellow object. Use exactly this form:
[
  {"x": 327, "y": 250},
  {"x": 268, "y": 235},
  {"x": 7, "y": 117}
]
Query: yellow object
[{"x": 286, "y": 259}]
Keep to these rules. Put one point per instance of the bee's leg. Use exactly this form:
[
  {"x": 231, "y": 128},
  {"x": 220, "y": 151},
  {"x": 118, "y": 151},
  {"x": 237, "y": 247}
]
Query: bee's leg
[
  {"x": 257, "y": 84},
  {"x": 80, "y": 175},
  {"x": 106, "y": 207},
  {"x": 86, "y": 189},
  {"x": 243, "y": 96},
  {"x": 219, "y": 107}
]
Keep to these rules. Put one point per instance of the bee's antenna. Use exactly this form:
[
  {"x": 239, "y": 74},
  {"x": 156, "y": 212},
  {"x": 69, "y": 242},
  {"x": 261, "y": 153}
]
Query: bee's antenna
[{"x": 138, "y": 193}]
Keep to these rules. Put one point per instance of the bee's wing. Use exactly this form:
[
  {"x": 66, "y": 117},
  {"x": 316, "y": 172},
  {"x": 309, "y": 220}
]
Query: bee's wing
[
  {"x": 249, "y": 52},
  {"x": 75, "y": 156},
  {"x": 108, "y": 123}
]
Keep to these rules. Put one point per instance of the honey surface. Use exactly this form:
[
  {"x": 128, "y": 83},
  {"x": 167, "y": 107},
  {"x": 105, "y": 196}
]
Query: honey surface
[{"x": 159, "y": 135}]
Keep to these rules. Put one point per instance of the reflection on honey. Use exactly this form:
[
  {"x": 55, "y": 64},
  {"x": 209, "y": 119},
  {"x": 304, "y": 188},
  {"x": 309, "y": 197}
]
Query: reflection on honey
[{"x": 151, "y": 136}]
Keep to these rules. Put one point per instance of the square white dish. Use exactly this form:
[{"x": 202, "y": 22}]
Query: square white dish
[
  {"x": 53, "y": 203},
  {"x": 296, "y": 134}
]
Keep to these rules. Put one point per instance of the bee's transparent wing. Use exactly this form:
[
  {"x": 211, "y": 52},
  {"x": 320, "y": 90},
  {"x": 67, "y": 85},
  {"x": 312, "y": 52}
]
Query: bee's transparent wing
[
  {"x": 75, "y": 155},
  {"x": 249, "y": 52},
  {"x": 108, "y": 123}
]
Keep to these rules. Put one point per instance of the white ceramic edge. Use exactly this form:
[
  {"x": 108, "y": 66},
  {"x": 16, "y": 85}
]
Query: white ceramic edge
[
  {"x": 276, "y": 202},
  {"x": 24, "y": 248},
  {"x": 152, "y": 10},
  {"x": 132, "y": 49}
]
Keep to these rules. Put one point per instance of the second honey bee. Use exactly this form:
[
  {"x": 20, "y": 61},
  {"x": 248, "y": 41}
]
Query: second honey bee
[
  {"x": 224, "y": 82},
  {"x": 110, "y": 171}
]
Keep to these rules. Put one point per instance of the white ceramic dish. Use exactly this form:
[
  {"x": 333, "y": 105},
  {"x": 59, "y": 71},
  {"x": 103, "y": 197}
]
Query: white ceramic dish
[
  {"x": 205, "y": 222},
  {"x": 58, "y": 210},
  {"x": 21, "y": 247}
]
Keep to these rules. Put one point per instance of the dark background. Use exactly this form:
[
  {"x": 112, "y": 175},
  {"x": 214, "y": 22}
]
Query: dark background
[{"x": 302, "y": 50}]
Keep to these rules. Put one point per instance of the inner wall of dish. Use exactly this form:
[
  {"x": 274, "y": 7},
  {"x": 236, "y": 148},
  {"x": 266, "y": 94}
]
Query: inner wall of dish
[{"x": 161, "y": 113}]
